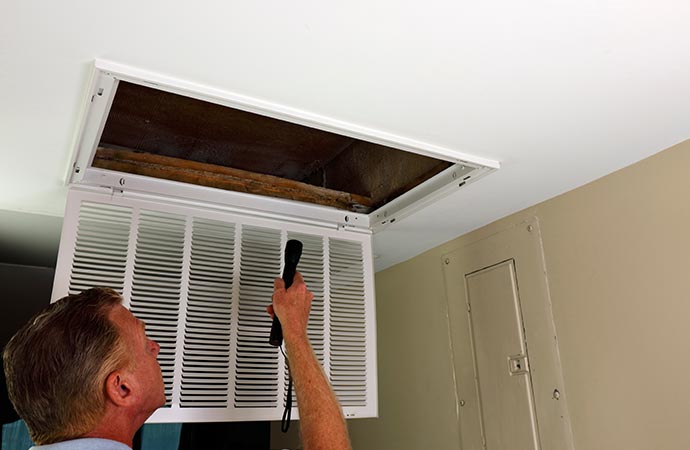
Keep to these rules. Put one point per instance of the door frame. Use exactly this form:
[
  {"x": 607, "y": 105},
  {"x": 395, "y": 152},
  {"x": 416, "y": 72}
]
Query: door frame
[{"x": 521, "y": 242}]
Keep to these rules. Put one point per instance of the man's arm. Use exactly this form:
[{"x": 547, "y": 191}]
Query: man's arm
[{"x": 321, "y": 419}]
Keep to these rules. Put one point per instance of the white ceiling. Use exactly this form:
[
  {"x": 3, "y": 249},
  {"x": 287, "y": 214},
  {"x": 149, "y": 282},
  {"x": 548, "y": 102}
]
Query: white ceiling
[{"x": 560, "y": 92}]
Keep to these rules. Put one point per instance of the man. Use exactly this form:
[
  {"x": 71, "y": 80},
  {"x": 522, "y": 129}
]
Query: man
[{"x": 83, "y": 374}]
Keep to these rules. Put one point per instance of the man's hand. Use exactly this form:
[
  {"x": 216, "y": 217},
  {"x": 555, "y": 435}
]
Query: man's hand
[
  {"x": 292, "y": 307},
  {"x": 321, "y": 419}
]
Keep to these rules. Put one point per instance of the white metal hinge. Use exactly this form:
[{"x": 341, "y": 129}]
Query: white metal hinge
[{"x": 115, "y": 192}]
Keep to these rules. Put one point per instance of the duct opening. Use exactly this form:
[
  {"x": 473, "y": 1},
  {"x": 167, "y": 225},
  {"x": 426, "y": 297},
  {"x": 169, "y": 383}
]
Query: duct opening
[{"x": 159, "y": 134}]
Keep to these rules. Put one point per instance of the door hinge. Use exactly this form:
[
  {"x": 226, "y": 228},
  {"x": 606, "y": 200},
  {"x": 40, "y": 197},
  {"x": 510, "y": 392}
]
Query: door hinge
[{"x": 116, "y": 192}]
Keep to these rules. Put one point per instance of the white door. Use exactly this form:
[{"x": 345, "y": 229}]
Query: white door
[{"x": 509, "y": 384}]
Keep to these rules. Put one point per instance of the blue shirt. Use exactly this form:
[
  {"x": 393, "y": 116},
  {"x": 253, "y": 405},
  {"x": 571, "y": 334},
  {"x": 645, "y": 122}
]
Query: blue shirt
[{"x": 84, "y": 444}]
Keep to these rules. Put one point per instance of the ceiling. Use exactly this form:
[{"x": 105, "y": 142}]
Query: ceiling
[{"x": 560, "y": 93}]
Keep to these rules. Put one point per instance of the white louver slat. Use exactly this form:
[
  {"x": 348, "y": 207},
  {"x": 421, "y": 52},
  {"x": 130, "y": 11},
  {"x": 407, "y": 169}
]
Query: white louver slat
[
  {"x": 100, "y": 255},
  {"x": 256, "y": 379},
  {"x": 206, "y": 356},
  {"x": 348, "y": 332},
  {"x": 201, "y": 279},
  {"x": 157, "y": 284}
]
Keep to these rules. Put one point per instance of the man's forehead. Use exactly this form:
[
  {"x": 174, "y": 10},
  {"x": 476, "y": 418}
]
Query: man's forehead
[{"x": 120, "y": 314}]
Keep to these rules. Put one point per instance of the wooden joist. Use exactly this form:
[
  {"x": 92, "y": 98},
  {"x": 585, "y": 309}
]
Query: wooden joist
[{"x": 227, "y": 178}]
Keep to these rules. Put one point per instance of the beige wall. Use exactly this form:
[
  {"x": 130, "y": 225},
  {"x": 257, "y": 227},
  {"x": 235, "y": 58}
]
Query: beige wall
[{"x": 618, "y": 262}]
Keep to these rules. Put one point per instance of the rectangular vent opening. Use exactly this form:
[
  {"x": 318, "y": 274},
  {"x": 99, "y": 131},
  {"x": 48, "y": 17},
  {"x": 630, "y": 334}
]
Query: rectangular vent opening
[
  {"x": 148, "y": 132},
  {"x": 159, "y": 134}
]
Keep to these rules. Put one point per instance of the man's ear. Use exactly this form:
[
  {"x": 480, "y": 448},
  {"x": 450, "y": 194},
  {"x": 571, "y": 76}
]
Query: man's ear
[{"x": 118, "y": 389}]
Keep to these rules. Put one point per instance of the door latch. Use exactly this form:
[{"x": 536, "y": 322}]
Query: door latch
[{"x": 518, "y": 364}]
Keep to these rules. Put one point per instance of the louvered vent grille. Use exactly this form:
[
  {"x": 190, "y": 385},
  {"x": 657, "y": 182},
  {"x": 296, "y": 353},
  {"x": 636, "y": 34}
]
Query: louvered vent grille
[
  {"x": 206, "y": 356},
  {"x": 347, "y": 329},
  {"x": 201, "y": 279},
  {"x": 100, "y": 255},
  {"x": 156, "y": 283},
  {"x": 257, "y": 362}
]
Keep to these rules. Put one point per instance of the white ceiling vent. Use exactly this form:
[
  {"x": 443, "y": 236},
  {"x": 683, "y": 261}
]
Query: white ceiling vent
[
  {"x": 182, "y": 198},
  {"x": 201, "y": 279}
]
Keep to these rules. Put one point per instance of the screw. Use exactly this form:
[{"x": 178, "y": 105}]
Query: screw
[
  {"x": 462, "y": 402},
  {"x": 556, "y": 394},
  {"x": 455, "y": 175},
  {"x": 530, "y": 228},
  {"x": 447, "y": 261},
  {"x": 122, "y": 181}
]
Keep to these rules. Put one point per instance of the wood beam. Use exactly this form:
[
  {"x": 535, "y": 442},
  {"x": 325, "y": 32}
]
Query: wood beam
[{"x": 228, "y": 178}]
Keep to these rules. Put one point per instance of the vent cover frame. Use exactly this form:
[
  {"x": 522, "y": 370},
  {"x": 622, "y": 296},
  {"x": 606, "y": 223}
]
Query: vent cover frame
[
  {"x": 106, "y": 240},
  {"x": 106, "y": 75}
]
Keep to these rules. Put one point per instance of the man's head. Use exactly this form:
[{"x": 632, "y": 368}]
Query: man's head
[{"x": 74, "y": 359}]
